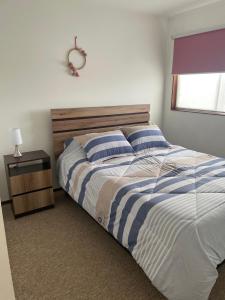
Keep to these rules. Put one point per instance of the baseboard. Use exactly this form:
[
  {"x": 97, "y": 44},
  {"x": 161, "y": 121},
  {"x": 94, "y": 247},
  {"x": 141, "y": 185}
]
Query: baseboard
[{"x": 10, "y": 201}]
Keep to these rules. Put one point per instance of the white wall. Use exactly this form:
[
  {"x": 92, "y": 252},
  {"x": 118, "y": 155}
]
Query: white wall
[
  {"x": 125, "y": 64},
  {"x": 197, "y": 131}
]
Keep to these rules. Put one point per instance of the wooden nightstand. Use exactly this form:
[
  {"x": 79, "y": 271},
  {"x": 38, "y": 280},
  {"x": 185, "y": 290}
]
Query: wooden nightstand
[{"x": 29, "y": 181}]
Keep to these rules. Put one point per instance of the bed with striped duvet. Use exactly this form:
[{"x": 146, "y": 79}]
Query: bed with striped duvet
[{"x": 166, "y": 207}]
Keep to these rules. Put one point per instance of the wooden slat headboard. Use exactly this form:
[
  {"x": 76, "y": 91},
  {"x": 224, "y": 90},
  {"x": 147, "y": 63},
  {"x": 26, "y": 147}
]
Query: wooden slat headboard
[{"x": 70, "y": 122}]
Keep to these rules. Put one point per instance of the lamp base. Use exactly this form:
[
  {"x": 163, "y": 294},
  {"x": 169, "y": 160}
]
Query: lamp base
[{"x": 17, "y": 152}]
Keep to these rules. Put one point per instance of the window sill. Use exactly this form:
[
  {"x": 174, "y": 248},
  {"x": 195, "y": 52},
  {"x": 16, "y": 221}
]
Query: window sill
[{"x": 199, "y": 111}]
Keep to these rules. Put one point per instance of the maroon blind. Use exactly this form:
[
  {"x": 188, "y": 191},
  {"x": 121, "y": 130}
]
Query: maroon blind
[{"x": 200, "y": 53}]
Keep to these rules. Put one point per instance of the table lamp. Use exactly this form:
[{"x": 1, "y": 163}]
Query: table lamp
[{"x": 17, "y": 140}]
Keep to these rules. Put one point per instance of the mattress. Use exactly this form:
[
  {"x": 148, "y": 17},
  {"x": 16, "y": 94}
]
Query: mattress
[{"x": 166, "y": 207}]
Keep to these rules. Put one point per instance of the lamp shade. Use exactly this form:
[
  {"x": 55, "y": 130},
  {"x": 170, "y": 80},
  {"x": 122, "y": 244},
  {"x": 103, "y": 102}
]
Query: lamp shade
[{"x": 16, "y": 136}]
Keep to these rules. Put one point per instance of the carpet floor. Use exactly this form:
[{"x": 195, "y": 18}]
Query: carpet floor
[{"x": 62, "y": 253}]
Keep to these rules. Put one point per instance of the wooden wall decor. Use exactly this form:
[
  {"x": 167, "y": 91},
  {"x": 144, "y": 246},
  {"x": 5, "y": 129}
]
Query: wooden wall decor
[{"x": 74, "y": 70}]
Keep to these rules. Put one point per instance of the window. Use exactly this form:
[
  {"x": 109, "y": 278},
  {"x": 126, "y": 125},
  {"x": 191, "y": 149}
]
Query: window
[
  {"x": 199, "y": 73},
  {"x": 199, "y": 92}
]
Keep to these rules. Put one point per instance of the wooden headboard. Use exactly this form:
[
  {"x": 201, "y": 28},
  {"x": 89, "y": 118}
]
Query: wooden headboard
[{"x": 70, "y": 122}]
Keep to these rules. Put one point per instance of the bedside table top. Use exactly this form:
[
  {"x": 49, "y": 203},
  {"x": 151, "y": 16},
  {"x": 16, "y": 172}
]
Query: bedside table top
[{"x": 26, "y": 157}]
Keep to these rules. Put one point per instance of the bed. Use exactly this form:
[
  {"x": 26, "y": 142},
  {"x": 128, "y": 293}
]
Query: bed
[{"x": 166, "y": 207}]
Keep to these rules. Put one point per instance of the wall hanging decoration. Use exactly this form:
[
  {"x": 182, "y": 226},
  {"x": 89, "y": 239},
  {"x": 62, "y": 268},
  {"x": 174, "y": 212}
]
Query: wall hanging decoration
[{"x": 74, "y": 70}]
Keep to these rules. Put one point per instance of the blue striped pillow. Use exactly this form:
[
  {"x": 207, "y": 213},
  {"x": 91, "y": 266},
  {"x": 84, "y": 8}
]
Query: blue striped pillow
[
  {"x": 67, "y": 143},
  {"x": 144, "y": 138},
  {"x": 105, "y": 145}
]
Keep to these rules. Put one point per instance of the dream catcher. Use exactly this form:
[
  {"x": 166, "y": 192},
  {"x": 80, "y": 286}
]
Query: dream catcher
[{"x": 72, "y": 68}]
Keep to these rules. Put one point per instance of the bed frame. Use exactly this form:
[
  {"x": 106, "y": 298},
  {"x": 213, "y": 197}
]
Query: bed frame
[{"x": 70, "y": 122}]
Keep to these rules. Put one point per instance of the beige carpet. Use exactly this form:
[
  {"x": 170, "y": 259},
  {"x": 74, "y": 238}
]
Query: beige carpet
[{"x": 61, "y": 253}]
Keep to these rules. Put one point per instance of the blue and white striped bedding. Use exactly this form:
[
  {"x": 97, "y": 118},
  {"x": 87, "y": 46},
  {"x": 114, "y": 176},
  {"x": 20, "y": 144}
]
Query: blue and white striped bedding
[
  {"x": 167, "y": 209},
  {"x": 144, "y": 138},
  {"x": 105, "y": 145}
]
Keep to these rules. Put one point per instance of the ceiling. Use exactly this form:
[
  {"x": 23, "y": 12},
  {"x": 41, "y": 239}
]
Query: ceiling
[{"x": 159, "y": 7}]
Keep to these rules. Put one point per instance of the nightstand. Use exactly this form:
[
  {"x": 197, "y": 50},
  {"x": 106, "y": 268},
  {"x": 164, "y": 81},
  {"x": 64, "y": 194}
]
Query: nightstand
[{"x": 29, "y": 180}]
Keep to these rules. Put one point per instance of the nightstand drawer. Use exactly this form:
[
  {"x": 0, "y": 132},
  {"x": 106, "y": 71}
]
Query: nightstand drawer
[
  {"x": 31, "y": 201},
  {"x": 31, "y": 181}
]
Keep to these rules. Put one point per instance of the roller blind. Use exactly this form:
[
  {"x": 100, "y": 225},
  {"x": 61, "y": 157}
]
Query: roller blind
[{"x": 200, "y": 53}]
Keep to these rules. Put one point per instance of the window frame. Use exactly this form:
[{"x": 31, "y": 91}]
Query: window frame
[{"x": 174, "y": 102}]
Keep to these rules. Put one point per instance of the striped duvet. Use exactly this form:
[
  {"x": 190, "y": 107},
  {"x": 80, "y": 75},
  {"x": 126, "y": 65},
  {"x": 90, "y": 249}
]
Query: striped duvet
[{"x": 166, "y": 207}]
